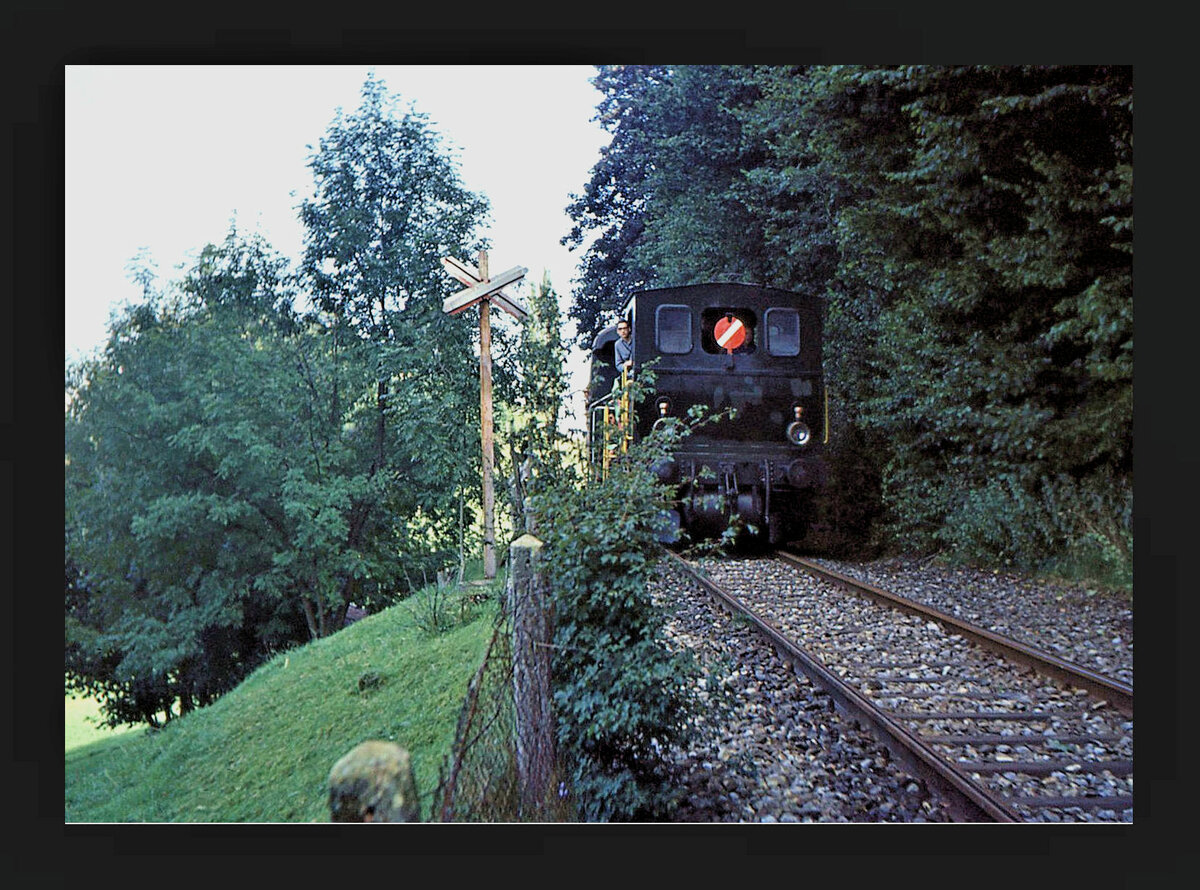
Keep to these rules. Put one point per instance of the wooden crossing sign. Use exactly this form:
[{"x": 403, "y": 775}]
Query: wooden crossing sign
[
  {"x": 484, "y": 290},
  {"x": 730, "y": 333},
  {"x": 479, "y": 289}
]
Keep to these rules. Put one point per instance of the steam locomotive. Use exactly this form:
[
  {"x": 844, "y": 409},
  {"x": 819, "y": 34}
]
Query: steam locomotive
[{"x": 756, "y": 350}]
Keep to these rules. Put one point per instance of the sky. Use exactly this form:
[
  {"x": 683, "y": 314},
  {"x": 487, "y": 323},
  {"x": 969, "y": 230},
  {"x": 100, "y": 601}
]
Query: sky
[{"x": 165, "y": 158}]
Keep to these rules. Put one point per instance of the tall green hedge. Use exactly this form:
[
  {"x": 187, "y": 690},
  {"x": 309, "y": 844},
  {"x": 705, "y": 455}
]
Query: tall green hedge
[{"x": 622, "y": 699}]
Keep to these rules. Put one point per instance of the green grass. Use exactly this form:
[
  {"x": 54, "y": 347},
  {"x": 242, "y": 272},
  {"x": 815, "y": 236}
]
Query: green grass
[{"x": 262, "y": 752}]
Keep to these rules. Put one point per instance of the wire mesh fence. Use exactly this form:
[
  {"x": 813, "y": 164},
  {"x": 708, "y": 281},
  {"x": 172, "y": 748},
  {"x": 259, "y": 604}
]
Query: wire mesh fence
[
  {"x": 502, "y": 766},
  {"x": 478, "y": 781}
]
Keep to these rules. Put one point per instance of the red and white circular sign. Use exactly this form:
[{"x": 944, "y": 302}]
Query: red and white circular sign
[{"x": 730, "y": 333}]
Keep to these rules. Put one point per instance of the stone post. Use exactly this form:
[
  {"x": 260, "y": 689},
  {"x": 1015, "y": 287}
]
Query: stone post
[
  {"x": 531, "y": 674},
  {"x": 373, "y": 783}
]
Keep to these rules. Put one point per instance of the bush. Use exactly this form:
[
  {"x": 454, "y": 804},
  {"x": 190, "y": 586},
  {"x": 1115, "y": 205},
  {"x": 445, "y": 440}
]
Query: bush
[
  {"x": 1095, "y": 523},
  {"x": 853, "y": 503},
  {"x": 1000, "y": 522},
  {"x": 1077, "y": 528},
  {"x": 622, "y": 699}
]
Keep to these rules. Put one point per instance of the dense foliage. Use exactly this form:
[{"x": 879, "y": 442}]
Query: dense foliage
[
  {"x": 181, "y": 440},
  {"x": 971, "y": 228},
  {"x": 622, "y": 699},
  {"x": 664, "y": 203},
  {"x": 537, "y": 451},
  {"x": 387, "y": 206},
  {"x": 242, "y": 464}
]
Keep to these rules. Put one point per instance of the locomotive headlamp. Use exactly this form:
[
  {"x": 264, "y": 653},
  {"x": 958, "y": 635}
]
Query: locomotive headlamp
[{"x": 798, "y": 432}]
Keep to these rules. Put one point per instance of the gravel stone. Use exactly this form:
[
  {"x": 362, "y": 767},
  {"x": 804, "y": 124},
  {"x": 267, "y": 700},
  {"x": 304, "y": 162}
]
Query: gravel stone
[
  {"x": 1093, "y": 629},
  {"x": 782, "y": 753}
]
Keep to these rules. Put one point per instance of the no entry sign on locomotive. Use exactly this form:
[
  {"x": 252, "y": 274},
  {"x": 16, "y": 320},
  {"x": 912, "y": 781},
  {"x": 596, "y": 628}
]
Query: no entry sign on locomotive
[{"x": 729, "y": 332}]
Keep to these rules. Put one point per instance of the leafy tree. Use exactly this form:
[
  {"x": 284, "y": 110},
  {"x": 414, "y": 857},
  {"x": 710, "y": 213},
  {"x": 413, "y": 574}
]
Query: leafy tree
[
  {"x": 989, "y": 247},
  {"x": 699, "y": 226},
  {"x": 174, "y": 438},
  {"x": 215, "y": 503},
  {"x": 534, "y": 400},
  {"x": 611, "y": 210},
  {"x": 387, "y": 206},
  {"x": 670, "y": 194},
  {"x": 792, "y": 190}
]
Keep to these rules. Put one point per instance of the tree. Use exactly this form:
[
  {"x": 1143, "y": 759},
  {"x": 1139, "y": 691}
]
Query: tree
[
  {"x": 533, "y": 395},
  {"x": 670, "y": 195},
  {"x": 699, "y": 226},
  {"x": 989, "y": 245},
  {"x": 176, "y": 438},
  {"x": 387, "y": 206},
  {"x": 613, "y": 205},
  {"x": 217, "y": 510}
]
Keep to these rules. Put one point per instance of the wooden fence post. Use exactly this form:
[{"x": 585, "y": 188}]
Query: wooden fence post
[{"x": 531, "y": 675}]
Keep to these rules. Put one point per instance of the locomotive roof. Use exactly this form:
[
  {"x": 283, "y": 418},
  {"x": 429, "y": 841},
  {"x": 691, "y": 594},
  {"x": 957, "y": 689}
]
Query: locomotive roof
[
  {"x": 606, "y": 335},
  {"x": 747, "y": 289}
]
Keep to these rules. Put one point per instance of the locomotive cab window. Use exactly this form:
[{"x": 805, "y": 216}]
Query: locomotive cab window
[
  {"x": 783, "y": 331},
  {"x": 673, "y": 329},
  {"x": 728, "y": 328}
]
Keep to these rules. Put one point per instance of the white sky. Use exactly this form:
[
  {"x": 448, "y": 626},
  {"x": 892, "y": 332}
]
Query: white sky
[{"x": 165, "y": 157}]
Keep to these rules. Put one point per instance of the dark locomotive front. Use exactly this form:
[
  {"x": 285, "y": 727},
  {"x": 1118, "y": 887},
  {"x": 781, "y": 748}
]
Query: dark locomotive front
[{"x": 752, "y": 349}]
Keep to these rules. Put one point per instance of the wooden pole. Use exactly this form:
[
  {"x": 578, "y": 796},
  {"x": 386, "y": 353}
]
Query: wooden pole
[{"x": 485, "y": 416}]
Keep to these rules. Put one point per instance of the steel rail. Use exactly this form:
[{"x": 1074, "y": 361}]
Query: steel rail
[
  {"x": 1115, "y": 692},
  {"x": 969, "y": 801}
]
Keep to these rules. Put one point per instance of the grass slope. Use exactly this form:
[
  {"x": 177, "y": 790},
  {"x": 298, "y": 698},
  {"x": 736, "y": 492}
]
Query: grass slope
[{"x": 262, "y": 753}]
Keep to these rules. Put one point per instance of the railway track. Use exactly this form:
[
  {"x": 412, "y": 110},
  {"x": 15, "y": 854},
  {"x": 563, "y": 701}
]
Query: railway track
[{"x": 1003, "y": 731}]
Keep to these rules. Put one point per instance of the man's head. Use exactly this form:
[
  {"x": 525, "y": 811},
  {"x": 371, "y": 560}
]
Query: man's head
[{"x": 623, "y": 329}]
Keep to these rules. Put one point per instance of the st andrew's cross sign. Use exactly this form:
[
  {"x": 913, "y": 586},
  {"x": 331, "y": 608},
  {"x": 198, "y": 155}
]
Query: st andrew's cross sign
[
  {"x": 484, "y": 290},
  {"x": 479, "y": 289}
]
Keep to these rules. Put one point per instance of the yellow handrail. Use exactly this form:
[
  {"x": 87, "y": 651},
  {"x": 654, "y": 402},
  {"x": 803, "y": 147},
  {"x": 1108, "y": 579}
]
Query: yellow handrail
[
  {"x": 616, "y": 422},
  {"x": 625, "y": 418},
  {"x": 826, "y": 412}
]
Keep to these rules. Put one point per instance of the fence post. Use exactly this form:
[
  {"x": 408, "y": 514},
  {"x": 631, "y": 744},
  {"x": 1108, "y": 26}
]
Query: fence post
[
  {"x": 531, "y": 674},
  {"x": 374, "y": 782}
]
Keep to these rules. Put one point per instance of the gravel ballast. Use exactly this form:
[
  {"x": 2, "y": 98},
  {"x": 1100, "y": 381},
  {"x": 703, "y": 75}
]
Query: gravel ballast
[
  {"x": 1089, "y": 628},
  {"x": 782, "y": 753}
]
